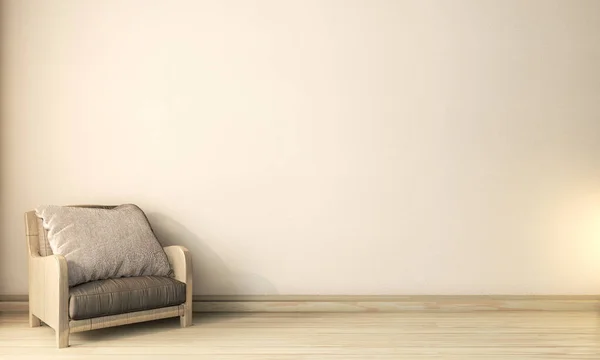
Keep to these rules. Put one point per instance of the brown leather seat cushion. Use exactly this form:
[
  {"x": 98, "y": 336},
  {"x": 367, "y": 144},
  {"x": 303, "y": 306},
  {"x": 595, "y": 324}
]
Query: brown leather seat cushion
[{"x": 124, "y": 295}]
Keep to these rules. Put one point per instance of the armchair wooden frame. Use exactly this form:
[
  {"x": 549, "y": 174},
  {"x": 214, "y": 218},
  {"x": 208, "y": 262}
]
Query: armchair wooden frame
[{"x": 49, "y": 290}]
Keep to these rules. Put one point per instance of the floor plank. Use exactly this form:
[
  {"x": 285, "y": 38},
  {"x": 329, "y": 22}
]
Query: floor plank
[{"x": 265, "y": 336}]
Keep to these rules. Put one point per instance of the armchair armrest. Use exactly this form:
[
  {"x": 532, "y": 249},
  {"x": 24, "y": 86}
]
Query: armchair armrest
[
  {"x": 180, "y": 260},
  {"x": 49, "y": 291}
]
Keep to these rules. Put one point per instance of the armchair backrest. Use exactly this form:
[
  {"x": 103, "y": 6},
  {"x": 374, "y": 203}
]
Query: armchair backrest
[{"x": 37, "y": 236}]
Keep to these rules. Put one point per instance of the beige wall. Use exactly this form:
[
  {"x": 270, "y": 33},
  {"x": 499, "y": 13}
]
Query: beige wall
[{"x": 316, "y": 147}]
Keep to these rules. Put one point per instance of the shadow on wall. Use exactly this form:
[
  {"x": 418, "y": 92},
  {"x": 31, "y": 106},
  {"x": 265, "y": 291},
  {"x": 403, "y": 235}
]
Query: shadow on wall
[{"x": 211, "y": 275}]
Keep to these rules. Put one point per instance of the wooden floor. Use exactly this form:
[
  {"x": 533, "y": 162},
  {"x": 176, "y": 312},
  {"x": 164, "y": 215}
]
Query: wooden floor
[{"x": 370, "y": 336}]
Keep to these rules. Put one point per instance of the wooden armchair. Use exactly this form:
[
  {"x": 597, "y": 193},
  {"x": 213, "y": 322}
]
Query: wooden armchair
[{"x": 103, "y": 303}]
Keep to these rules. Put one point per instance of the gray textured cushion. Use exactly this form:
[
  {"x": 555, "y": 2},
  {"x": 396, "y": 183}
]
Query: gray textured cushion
[
  {"x": 120, "y": 296},
  {"x": 104, "y": 243}
]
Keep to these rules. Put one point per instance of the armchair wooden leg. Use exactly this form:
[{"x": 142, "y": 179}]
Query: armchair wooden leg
[
  {"x": 34, "y": 321},
  {"x": 186, "y": 319},
  {"x": 62, "y": 338}
]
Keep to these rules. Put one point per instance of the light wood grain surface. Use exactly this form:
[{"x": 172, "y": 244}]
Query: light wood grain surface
[
  {"x": 464, "y": 336},
  {"x": 282, "y": 303},
  {"x": 366, "y": 303}
]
